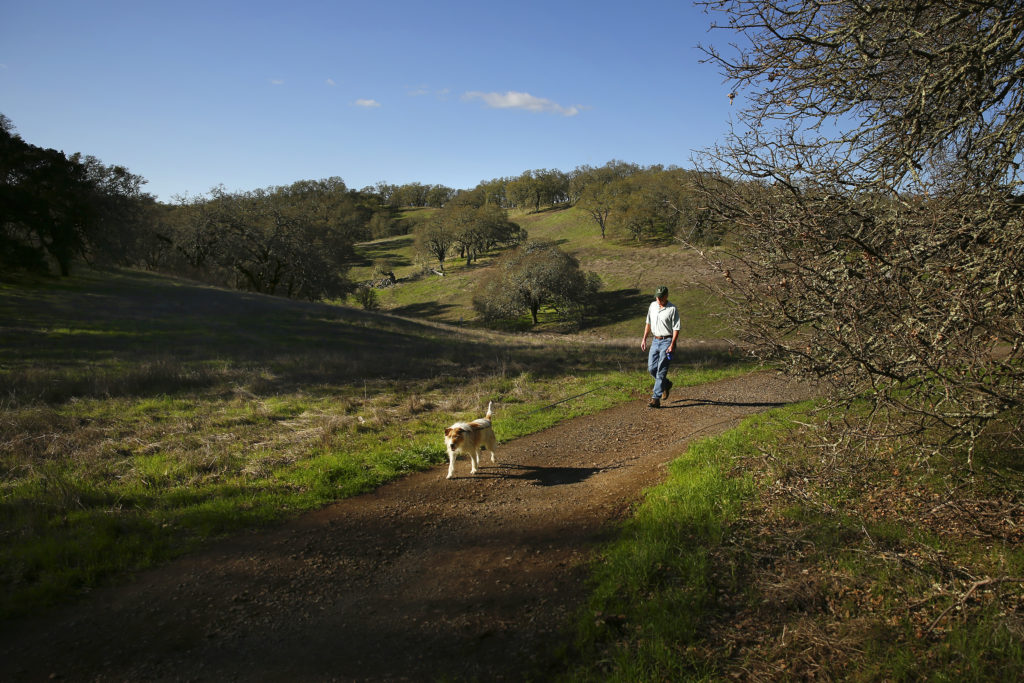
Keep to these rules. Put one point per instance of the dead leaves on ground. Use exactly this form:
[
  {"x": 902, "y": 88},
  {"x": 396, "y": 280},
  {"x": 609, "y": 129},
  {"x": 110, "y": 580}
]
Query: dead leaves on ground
[{"x": 869, "y": 568}]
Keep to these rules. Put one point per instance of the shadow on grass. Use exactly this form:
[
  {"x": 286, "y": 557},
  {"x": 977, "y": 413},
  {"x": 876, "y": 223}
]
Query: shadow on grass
[
  {"x": 619, "y": 305},
  {"x": 426, "y": 309},
  {"x": 390, "y": 250},
  {"x": 558, "y": 242},
  {"x": 553, "y": 208},
  {"x": 119, "y": 333}
]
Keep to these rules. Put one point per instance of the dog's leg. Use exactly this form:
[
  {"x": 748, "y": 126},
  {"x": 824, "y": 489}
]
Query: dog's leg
[
  {"x": 474, "y": 460},
  {"x": 451, "y": 465}
]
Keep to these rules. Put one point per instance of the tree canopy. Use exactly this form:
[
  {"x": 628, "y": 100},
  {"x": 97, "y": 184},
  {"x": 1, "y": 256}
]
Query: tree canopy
[
  {"x": 532, "y": 276},
  {"x": 61, "y": 207},
  {"x": 294, "y": 241},
  {"x": 468, "y": 228}
]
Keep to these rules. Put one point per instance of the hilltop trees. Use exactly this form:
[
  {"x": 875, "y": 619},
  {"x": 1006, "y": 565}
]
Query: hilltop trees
[
  {"x": 468, "y": 229},
  {"x": 662, "y": 204},
  {"x": 598, "y": 191},
  {"x": 483, "y": 228},
  {"x": 495, "y": 191},
  {"x": 61, "y": 207},
  {"x": 122, "y": 211},
  {"x": 410, "y": 194},
  {"x": 644, "y": 202},
  {"x": 881, "y": 234},
  {"x": 541, "y": 187},
  {"x": 294, "y": 241},
  {"x": 647, "y": 203}
]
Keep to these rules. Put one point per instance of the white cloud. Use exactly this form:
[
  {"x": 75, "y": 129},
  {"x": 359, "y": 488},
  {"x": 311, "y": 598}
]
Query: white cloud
[
  {"x": 330, "y": 82},
  {"x": 276, "y": 81},
  {"x": 521, "y": 100},
  {"x": 367, "y": 103},
  {"x": 424, "y": 90}
]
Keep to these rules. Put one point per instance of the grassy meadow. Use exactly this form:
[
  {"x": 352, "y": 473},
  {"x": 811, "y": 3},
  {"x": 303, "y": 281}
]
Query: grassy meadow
[
  {"x": 629, "y": 272},
  {"x": 141, "y": 415}
]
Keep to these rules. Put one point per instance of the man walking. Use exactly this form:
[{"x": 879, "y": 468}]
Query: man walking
[{"x": 663, "y": 323}]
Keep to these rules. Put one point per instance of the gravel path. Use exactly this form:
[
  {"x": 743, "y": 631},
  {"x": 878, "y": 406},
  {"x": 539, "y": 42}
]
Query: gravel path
[{"x": 425, "y": 578}]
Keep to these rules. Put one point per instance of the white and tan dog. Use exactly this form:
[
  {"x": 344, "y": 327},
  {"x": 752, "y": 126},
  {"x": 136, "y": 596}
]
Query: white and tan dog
[{"x": 470, "y": 438}]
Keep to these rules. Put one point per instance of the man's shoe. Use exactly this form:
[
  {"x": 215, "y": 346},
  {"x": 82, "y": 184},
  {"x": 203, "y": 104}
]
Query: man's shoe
[
  {"x": 668, "y": 388},
  {"x": 655, "y": 403}
]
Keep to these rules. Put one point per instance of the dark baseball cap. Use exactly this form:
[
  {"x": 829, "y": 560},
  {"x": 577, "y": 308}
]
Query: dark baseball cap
[{"x": 661, "y": 292}]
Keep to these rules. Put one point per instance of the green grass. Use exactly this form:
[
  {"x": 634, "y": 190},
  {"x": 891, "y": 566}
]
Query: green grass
[
  {"x": 760, "y": 559},
  {"x": 142, "y": 416},
  {"x": 652, "y": 587},
  {"x": 629, "y": 271}
]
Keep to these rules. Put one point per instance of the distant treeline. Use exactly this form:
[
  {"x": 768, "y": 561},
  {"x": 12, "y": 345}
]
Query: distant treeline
[
  {"x": 645, "y": 202},
  {"x": 298, "y": 240}
]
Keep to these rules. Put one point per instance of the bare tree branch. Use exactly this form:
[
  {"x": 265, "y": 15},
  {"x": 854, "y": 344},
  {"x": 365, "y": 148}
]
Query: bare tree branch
[{"x": 873, "y": 179}]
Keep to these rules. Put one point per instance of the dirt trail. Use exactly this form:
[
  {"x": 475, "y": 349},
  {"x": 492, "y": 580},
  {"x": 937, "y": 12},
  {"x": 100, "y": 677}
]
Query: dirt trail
[{"x": 468, "y": 578}]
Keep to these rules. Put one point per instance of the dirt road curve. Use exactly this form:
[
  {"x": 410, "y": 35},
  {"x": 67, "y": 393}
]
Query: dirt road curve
[{"x": 468, "y": 578}]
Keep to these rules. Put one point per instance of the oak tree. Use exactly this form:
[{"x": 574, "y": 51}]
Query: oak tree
[{"x": 532, "y": 276}]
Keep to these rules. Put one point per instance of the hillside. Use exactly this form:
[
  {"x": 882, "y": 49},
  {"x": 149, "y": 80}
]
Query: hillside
[
  {"x": 629, "y": 273},
  {"x": 143, "y": 415}
]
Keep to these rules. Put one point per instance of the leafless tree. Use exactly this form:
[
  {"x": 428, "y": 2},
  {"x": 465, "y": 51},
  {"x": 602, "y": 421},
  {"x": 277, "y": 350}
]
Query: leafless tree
[{"x": 872, "y": 176}]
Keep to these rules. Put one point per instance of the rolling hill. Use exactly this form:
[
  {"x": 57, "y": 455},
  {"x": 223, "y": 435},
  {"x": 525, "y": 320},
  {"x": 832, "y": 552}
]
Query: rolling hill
[{"x": 629, "y": 273}]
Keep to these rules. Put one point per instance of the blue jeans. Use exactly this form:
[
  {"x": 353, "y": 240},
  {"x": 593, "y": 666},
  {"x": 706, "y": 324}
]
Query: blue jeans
[{"x": 657, "y": 363}]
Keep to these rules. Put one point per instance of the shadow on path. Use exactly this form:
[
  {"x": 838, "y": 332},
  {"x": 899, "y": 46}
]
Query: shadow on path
[
  {"x": 694, "y": 402},
  {"x": 545, "y": 476}
]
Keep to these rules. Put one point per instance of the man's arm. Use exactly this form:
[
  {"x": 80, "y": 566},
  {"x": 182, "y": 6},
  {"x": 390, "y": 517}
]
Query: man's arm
[
  {"x": 643, "y": 340},
  {"x": 676, "y": 322}
]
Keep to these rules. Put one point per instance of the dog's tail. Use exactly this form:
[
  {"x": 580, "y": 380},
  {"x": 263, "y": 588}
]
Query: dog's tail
[{"x": 488, "y": 415}]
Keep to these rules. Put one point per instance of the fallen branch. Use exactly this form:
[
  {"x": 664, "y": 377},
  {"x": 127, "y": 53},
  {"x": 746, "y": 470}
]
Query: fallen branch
[{"x": 970, "y": 591}]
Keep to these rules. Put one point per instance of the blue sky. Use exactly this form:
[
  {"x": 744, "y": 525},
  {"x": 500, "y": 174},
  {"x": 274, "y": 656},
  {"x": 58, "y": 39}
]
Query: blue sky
[{"x": 252, "y": 94}]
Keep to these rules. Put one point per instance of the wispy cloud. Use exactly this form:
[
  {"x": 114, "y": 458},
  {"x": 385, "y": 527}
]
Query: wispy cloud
[
  {"x": 276, "y": 81},
  {"x": 330, "y": 82},
  {"x": 521, "y": 100},
  {"x": 424, "y": 90},
  {"x": 367, "y": 103}
]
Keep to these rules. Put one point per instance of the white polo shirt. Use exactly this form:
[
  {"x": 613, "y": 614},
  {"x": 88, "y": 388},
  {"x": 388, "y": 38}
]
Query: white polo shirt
[{"x": 662, "y": 320}]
